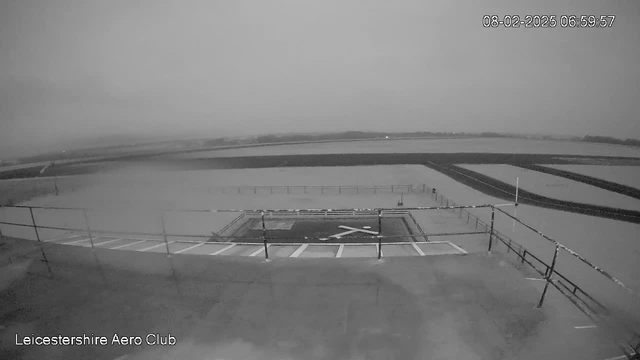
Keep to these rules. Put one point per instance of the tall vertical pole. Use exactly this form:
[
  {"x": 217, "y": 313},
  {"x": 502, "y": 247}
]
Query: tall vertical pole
[
  {"x": 515, "y": 209},
  {"x": 86, "y": 223},
  {"x": 264, "y": 237},
  {"x": 35, "y": 227},
  {"x": 379, "y": 234},
  {"x": 493, "y": 215},
  {"x": 164, "y": 233},
  {"x": 548, "y": 277}
]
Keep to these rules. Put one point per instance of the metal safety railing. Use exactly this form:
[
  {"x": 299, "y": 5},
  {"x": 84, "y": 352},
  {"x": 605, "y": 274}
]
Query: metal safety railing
[
  {"x": 630, "y": 343},
  {"x": 379, "y": 213},
  {"x": 585, "y": 302}
]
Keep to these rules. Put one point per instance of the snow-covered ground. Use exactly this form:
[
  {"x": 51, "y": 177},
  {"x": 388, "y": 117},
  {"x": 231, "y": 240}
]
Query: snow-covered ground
[
  {"x": 608, "y": 243},
  {"x": 613, "y": 245},
  {"x": 129, "y": 200},
  {"x": 484, "y": 145},
  {"x": 625, "y": 175},
  {"x": 555, "y": 187}
]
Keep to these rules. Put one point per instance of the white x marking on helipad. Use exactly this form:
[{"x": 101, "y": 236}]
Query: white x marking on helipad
[{"x": 352, "y": 230}]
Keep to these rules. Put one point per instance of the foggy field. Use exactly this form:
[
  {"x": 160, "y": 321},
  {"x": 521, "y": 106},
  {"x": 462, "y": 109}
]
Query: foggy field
[
  {"x": 19, "y": 190},
  {"x": 129, "y": 200},
  {"x": 555, "y": 187},
  {"x": 610, "y": 244},
  {"x": 625, "y": 175},
  {"x": 486, "y": 145}
]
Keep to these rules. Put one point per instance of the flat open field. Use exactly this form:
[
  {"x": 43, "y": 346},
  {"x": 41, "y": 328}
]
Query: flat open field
[
  {"x": 610, "y": 244},
  {"x": 129, "y": 201},
  {"x": 625, "y": 175},
  {"x": 487, "y": 145},
  {"x": 555, "y": 187}
]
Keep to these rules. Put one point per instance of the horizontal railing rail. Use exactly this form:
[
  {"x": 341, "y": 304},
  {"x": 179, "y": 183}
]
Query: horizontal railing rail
[{"x": 590, "y": 306}]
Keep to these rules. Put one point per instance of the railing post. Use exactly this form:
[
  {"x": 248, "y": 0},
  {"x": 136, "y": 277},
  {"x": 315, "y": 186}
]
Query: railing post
[
  {"x": 86, "y": 222},
  {"x": 548, "y": 277},
  {"x": 164, "y": 233},
  {"x": 35, "y": 227},
  {"x": 264, "y": 237},
  {"x": 493, "y": 214},
  {"x": 379, "y": 234},
  {"x": 468, "y": 216},
  {"x": 477, "y": 222}
]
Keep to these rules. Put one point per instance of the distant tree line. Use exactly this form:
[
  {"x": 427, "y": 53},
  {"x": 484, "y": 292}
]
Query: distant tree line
[
  {"x": 351, "y": 135},
  {"x": 346, "y": 135},
  {"x": 611, "y": 140}
]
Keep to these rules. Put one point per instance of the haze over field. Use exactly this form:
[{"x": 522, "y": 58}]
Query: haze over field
[{"x": 72, "y": 72}]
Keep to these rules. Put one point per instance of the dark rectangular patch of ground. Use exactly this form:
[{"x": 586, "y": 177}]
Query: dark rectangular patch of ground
[{"x": 312, "y": 230}]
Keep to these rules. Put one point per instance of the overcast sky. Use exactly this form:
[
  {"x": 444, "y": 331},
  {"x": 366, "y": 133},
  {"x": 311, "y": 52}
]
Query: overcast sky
[{"x": 71, "y": 70}]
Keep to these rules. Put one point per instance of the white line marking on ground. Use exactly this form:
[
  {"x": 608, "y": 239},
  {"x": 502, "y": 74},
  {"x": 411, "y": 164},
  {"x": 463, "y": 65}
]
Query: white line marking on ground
[
  {"x": 259, "y": 250},
  {"x": 106, "y": 242},
  {"x": 75, "y": 242},
  {"x": 299, "y": 251},
  {"x": 358, "y": 230},
  {"x": 586, "y": 327},
  {"x": 223, "y": 249},
  {"x": 418, "y": 250},
  {"x": 340, "y": 250},
  {"x": 121, "y": 357},
  {"x": 535, "y": 279},
  {"x": 458, "y": 248},
  {"x": 154, "y": 246},
  {"x": 64, "y": 238},
  {"x": 621, "y": 357},
  {"x": 189, "y": 248},
  {"x": 125, "y": 245}
]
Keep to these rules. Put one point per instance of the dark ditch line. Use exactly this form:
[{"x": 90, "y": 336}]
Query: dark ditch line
[
  {"x": 501, "y": 190},
  {"x": 310, "y": 160},
  {"x": 603, "y": 184}
]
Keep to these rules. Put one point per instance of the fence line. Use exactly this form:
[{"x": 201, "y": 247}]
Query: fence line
[
  {"x": 578, "y": 297},
  {"x": 24, "y": 189},
  {"x": 575, "y": 294}
]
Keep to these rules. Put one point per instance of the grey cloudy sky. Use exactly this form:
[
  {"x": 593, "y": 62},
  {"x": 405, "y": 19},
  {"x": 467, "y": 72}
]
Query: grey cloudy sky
[{"x": 77, "y": 69}]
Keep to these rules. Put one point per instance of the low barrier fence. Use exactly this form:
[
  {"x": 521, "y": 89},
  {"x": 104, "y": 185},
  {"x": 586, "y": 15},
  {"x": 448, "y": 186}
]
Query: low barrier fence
[
  {"x": 628, "y": 338},
  {"x": 15, "y": 191},
  {"x": 321, "y": 189}
]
